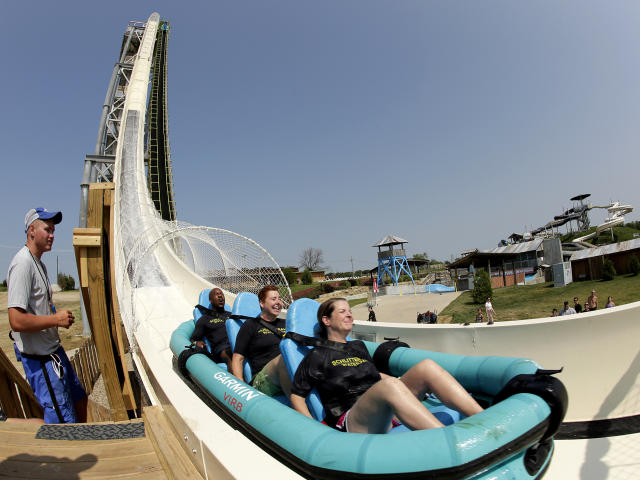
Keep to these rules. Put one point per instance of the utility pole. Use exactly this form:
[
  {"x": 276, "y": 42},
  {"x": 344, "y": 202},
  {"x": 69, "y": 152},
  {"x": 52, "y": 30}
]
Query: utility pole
[{"x": 353, "y": 272}]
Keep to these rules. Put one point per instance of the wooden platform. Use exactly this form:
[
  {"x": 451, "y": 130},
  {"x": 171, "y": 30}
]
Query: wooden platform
[{"x": 22, "y": 455}]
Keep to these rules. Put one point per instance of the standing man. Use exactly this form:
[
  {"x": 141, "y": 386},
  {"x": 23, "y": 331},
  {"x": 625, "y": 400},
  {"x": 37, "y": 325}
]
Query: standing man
[
  {"x": 592, "y": 301},
  {"x": 34, "y": 322},
  {"x": 212, "y": 327},
  {"x": 566, "y": 309},
  {"x": 576, "y": 306}
]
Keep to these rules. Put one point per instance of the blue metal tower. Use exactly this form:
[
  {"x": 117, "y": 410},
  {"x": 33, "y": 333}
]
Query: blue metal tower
[{"x": 393, "y": 260}]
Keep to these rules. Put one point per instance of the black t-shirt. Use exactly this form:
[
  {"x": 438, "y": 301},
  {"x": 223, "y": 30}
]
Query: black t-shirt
[
  {"x": 213, "y": 328},
  {"x": 578, "y": 308},
  {"x": 258, "y": 344},
  {"x": 340, "y": 377}
]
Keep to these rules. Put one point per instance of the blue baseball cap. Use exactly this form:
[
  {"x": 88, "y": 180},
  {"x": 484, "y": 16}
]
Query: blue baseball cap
[{"x": 41, "y": 214}]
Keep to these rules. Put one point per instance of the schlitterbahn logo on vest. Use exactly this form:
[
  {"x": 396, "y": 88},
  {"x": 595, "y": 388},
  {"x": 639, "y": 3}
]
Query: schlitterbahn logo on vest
[{"x": 348, "y": 362}]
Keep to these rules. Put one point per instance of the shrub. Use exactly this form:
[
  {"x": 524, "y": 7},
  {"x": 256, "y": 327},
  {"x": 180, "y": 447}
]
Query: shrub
[
  {"x": 66, "y": 282},
  {"x": 326, "y": 287},
  {"x": 344, "y": 284},
  {"x": 634, "y": 265},
  {"x": 482, "y": 287},
  {"x": 353, "y": 282},
  {"x": 311, "y": 292},
  {"x": 306, "y": 277},
  {"x": 608, "y": 270}
]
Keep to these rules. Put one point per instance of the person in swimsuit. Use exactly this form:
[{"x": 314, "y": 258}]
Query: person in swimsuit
[
  {"x": 356, "y": 396},
  {"x": 261, "y": 347},
  {"x": 592, "y": 301},
  {"x": 610, "y": 302},
  {"x": 212, "y": 326}
]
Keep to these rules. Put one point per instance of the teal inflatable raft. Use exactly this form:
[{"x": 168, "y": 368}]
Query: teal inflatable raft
[{"x": 511, "y": 438}]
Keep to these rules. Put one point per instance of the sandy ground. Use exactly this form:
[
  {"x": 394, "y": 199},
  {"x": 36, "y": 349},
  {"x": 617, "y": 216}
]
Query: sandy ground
[
  {"x": 71, "y": 338},
  {"x": 405, "y": 308}
]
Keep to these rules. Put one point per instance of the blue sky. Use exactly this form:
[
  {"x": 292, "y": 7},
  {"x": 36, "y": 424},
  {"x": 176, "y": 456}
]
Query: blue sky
[{"x": 332, "y": 124}]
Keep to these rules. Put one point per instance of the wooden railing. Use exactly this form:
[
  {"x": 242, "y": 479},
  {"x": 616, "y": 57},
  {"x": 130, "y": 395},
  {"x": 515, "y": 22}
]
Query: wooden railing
[
  {"x": 16, "y": 397},
  {"x": 85, "y": 362}
]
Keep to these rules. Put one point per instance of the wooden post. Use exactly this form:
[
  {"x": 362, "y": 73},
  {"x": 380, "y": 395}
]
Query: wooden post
[{"x": 90, "y": 257}]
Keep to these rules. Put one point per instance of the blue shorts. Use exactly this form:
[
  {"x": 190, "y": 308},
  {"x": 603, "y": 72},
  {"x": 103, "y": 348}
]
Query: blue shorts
[{"x": 67, "y": 390}]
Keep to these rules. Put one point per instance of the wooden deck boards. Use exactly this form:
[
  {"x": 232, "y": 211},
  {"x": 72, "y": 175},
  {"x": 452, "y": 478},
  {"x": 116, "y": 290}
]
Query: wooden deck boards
[{"x": 24, "y": 456}]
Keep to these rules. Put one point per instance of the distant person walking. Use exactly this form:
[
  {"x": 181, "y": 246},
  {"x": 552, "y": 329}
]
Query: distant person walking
[
  {"x": 491, "y": 313},
  {"x": 592, "y": 301},
  {"x": 372, "y": 314}
]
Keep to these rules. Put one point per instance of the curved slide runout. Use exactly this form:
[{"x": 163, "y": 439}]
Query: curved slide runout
[{"x": 598, "y": 350}]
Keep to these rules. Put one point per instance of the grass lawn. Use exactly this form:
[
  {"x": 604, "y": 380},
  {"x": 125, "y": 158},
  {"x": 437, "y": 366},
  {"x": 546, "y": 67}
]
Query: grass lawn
[
  {"x": 301, "y": 286},
  {"x": 356, "y": 301},
  {"x": 536, "y": 301}
]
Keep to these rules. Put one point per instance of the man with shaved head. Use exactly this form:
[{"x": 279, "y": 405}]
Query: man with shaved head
[{"x": 212, "y": 327}]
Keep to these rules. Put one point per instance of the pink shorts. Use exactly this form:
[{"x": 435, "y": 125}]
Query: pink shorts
[{"x": 341, "y": 423}]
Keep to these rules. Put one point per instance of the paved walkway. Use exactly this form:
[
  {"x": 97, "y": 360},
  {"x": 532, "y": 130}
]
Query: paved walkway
[{"x": 405, "y": 308}]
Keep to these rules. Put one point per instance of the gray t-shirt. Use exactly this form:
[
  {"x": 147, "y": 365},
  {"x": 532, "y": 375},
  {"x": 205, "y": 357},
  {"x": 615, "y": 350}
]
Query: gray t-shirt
[{"x": 28, "y": 288}]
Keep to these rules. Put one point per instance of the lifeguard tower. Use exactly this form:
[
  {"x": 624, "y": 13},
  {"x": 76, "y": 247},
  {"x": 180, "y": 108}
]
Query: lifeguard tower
[{"x": 393, "y": 260}]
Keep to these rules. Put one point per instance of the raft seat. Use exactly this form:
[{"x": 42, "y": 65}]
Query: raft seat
[
  {"x": 302, "y": 319},
  {"x": 248, "y": 305}
]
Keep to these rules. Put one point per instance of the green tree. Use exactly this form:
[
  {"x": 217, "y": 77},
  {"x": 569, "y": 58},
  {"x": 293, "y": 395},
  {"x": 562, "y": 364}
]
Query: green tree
[
  {"x": 482, "y": 287},
  {"x": 66, "y": 282},
  {"x": 634, "y": 265},
  {"x": 290, "y": 275},
  {"x": 306, "y": 277},
  {"x": 608, "y": 270}
]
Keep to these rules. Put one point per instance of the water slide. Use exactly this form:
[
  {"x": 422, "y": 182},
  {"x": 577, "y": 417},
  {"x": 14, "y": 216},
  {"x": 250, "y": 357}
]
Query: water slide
[
  {"x": 157, "y": 289},
  {"x": 617, "y": 213},
  {"x": 159, "y": 273}
]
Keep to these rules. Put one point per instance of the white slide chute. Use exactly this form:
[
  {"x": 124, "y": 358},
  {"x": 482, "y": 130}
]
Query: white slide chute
[{"x": 161, "y": 267}]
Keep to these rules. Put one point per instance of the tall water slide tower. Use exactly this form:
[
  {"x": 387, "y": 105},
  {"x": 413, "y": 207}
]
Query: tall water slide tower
[{"x": 98, "y": 167}]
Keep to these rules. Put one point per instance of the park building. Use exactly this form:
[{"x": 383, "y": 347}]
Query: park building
[{"x": 508, "y": 264}]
